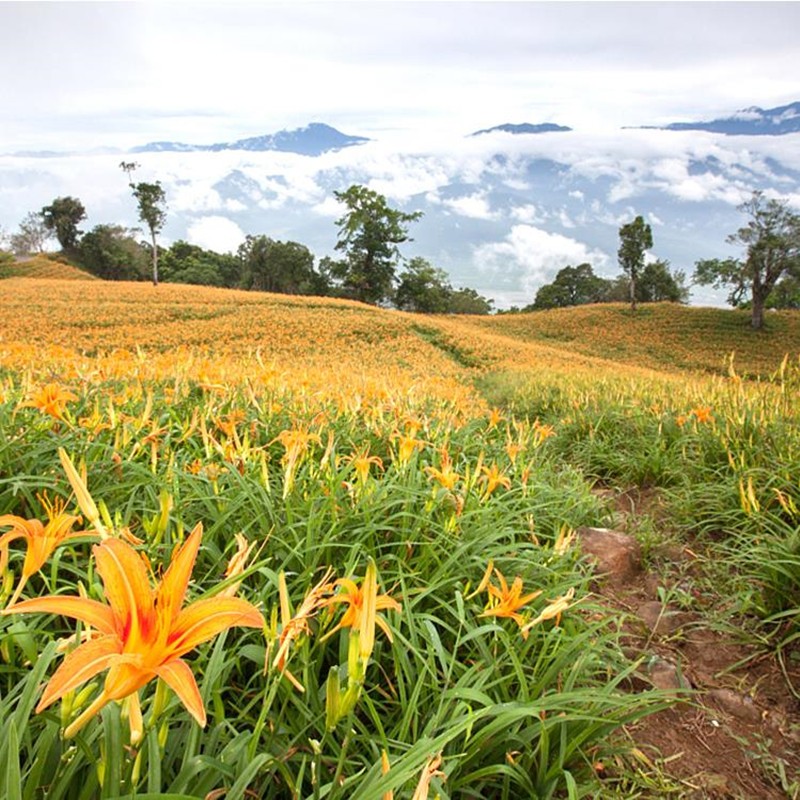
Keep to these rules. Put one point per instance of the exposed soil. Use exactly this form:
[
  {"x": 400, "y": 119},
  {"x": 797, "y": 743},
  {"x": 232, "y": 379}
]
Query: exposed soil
[{"x": 735, "y": 731}]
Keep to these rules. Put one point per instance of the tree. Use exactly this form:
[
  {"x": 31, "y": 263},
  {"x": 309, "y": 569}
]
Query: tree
[
  {"x": 152, "y": 211},
  {"x": 786, "y": 293},
  {"x": 112, "y": 253},
  {"x": 772, "y": 245},
  {"x": 572, "y": 286},
  {"x": 31, "y": 236},
  {"x": 61, "y": 217},
  {"x": 369, "y": 233},
  {"x": 189, "y": 263},
  {"x": 284, "y": 267},
  {"x": 468, "y": 301},
  {"x": 657, "y": 284},
  {"x": 635, "y": 238},
  {"x": 423, "y": 288}
]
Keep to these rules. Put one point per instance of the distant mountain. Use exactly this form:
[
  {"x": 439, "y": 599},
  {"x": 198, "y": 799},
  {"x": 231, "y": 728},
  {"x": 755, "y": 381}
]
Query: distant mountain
[
  {"x": 751, "y": 121},
  {"x": 525, "y": 127},
  {"x": 313, "y": 140}
]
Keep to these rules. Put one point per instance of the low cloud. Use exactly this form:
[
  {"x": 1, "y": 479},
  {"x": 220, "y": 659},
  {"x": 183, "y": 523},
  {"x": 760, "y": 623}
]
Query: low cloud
[
  {"x": 532, "y": 256},
  {"x": 219, "y": 234}
]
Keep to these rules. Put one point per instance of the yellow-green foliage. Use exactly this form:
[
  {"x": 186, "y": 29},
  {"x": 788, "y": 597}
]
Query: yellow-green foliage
[{"x": 46, "y": 268}]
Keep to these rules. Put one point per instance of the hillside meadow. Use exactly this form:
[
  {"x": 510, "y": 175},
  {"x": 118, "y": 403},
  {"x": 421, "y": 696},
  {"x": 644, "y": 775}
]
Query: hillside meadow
[{"x": 266, "y": 546}]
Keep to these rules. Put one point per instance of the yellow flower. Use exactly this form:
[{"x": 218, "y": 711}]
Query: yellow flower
[
  {"x": 361, "y": 463},
  {"x": 505, "y": 601},
  {"x": 40, "y": 539},
  {"x": 360, "y": 604},
  {"x": 553, "y": 610},
  {"x": 51, "y": 399},
  {"x": 296, "y": 443},
  {"x": 295, "y": 625},
  {"x": 237, "y": 564},
  {"x": 493, "y": 478},
  {"x": 141, "y": 633},
  {"x": 446, "y": 476},
  {"x": 406, "y": 447}
]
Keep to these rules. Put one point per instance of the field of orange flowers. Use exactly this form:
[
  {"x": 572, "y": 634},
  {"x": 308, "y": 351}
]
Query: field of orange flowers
[{"x": 260, "y": 546}]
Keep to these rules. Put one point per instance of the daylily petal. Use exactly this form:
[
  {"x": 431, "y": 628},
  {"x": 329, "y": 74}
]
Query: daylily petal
[
  {"x": 126, "y": 585},
  {"x": 172, "y": 590},
  {"x": 79, "y": 666},
  {"x": 178, "y": 676},
  {"x": 204, "y": 619},
  {"x": 98, "y": 615},
  {"x": 5, "y": 539}
]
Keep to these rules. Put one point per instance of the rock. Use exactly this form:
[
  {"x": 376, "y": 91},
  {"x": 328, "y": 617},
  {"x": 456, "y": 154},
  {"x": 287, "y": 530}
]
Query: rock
[
  {"x": 667, "y": 676},
  {"x": 658, "y": 618},
  {"x": 617, "y": 555},
  {"x": 652, "y": 583},
  {"x": 735, "y": 704}
]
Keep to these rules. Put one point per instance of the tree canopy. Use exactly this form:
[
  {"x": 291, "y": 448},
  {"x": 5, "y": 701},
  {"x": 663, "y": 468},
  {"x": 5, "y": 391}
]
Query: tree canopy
[
  {"x": 635, "y": 238},
  {"x": 61, "y": 218},
  {"x": 369, "y": 233},
  {"x": 771, "y": 240}
]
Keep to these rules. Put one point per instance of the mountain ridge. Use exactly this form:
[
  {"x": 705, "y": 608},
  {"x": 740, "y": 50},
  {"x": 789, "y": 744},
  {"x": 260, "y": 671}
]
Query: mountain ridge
[
  {"x": 750, "y": 121},
  {"x": 313, "y": 139}
]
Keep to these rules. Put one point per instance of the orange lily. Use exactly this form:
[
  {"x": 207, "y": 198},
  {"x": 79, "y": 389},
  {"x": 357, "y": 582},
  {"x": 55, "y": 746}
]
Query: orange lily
[
  {"x": 554, "y": 609},
  {"x": 296, "y": 625},
  {"x": 361, "y": 463},
  {"x": 446, "y": 476},
  {"x": 40, "y": 539},
  {"x": 493, "y": 477},
  {"x": 505, "y": 601},
  {"x": 702, "y": 413},
  {"x": 141, "y": 633},
  {"x": 363, "y": 602},
  {"x": 51, "y": 399}
]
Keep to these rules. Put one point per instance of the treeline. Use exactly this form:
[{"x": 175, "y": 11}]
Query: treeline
[
  {"x": 370, "y": 268},
  {"x": 576, "y": 286},
  {"x": 369, "y": 262}
]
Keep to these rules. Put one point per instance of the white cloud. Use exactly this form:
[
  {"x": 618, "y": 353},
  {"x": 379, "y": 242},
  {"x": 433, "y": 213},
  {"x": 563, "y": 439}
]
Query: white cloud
[
  {"x": 216, "y": 233},
  {"x": 475, "y": 206},
  {"x": 527, "y": 213},
  {"x": 533, "y": 256}
]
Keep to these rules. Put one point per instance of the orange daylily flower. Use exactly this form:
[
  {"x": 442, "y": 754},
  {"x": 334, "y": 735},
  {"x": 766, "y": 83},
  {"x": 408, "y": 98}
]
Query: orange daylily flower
[
  {"x": 493, "y": 478},
  {"x": 554, "y": 609},
  {"x": 505, "y": 601},
  {"x": 702, "y": 413},
  {"x": 363, "y": 602},
  {"x": 141, "y": 633},
  {"x": 41, "y": 540},
  {"x": 429, "y": 772},
  {"x": 51, "y": 399},
  {"x": 446, "y": 476},
  {"x": 238, "y": 563},
  {"x": 361, "y": 463},
  {"x": 295, "y": 625}
]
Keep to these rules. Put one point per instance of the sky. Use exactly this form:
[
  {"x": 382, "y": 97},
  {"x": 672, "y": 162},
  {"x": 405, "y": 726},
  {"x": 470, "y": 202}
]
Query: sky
[
  {"x": 81, "y": 79},
  {"x": 82, "y": 75}
]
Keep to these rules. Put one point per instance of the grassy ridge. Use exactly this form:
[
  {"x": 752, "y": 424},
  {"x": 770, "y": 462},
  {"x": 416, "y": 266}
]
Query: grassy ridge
[
  {"x": 44, "y": 268},
  {"x": 663, "y": 337}
]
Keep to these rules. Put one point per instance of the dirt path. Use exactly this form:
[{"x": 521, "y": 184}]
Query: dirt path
[{"x": 735, "y": 732}]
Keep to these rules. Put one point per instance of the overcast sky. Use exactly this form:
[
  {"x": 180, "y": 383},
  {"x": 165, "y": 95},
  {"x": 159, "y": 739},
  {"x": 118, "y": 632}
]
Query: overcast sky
[{"x": 82, "y": 75}]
